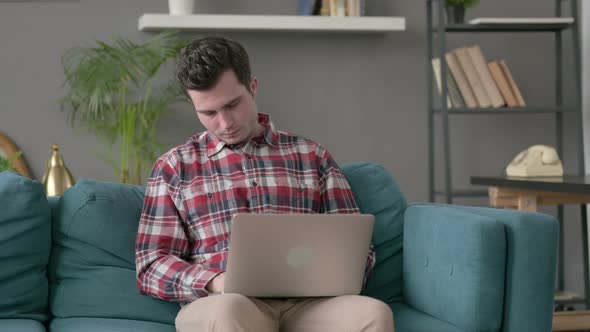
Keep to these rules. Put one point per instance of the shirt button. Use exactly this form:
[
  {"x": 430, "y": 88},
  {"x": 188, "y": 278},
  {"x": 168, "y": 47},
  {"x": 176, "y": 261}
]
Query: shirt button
[
  {"x": 254, "y": 183},
  {"x": 301, "y": 189},
  {"x": 209, "y": 194},
  {"x": 248, "y": 156}
]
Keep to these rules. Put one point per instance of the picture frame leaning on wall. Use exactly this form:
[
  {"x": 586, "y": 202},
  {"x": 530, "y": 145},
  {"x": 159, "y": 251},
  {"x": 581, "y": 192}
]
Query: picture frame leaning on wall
[{"x": 8, "y": 150}]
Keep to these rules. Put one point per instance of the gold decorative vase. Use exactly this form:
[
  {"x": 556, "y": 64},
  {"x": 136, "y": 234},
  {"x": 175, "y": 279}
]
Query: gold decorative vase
[{"x": 57, "y": 177}]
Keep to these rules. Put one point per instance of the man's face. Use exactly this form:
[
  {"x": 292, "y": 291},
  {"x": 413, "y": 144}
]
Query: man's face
[{"x": 228, "y": 109}]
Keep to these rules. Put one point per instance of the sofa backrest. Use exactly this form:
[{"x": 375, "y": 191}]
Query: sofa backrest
[
  {"x": 92, "y": 266},
  {"x": 377, "y": 193},
  {"x": 25, "y": 244}
]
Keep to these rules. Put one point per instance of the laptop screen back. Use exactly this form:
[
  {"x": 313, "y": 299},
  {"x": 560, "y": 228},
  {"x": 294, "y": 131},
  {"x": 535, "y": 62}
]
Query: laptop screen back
[{"x": 298, "y": 255}]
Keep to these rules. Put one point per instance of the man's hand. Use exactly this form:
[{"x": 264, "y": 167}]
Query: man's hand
[{"x": 216, "y": 284}]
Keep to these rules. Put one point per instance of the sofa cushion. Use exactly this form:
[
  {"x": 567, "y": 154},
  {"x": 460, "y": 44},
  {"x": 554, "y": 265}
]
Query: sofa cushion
[
  {"x": 106, "y": 324},
  {"x": 377, "y": 193},
  {"x": 92, "y": 268},
  {"x": 21, "y": 325},
  {"x": 25, "y": 244}
]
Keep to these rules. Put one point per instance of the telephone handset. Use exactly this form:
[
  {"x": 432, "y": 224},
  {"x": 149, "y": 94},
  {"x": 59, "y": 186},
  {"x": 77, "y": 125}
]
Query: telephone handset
[{"x": 537, "y": 160}]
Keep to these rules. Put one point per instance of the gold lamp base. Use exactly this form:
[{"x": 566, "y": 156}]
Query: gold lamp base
[{"x": 57, "y": 177}]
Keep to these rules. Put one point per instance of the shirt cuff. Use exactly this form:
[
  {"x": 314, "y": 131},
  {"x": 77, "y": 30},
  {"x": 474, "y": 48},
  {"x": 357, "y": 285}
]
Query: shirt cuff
[{"x": 204, "y": 278}]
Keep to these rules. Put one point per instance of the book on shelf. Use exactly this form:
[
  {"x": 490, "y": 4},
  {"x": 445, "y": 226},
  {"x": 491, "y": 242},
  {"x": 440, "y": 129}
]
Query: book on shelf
[
  {"x": 502, "y": 83},
  {"x": 485, "y": 77},
  {"x": 460, "y": 80},
  {"x": 337, "y": 8},
  {"x": 309, "y": 7},
  {"x": 521, "y": 20},
  {"x": 512, "y": 83},
  {"x": 464, "y": 59},
  {"x": 325, "y": 8},
  {"x": 354, "y": 7},
  {"x": 454, "y": 98},
  {"x": 341, "y": 7}
]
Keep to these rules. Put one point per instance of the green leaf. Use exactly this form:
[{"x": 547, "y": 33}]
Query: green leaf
[{"x": 111, "y": 93}]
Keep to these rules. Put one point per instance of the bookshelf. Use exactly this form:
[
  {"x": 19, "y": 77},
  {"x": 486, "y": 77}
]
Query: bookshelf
[
  {"x": 439, "y": 31},
  {"x": 286, "y": 23}
]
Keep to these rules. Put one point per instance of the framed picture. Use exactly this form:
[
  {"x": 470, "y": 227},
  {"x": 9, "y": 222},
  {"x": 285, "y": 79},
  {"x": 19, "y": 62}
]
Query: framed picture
[{"x": 7, "y": 150}]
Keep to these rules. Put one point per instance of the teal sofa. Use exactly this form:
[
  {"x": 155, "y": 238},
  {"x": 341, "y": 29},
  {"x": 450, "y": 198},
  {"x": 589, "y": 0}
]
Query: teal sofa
[{"x": 67, "y": 264}]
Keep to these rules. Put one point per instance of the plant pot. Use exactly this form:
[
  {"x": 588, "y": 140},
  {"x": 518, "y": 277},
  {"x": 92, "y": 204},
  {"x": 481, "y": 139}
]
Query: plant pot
[
  {"x": 181, "y": 7},
  {"x": 455, "y": 14}
]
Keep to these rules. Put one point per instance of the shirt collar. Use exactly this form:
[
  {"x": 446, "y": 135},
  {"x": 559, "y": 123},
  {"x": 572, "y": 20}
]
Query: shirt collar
[{"x": 270, "y": 135}]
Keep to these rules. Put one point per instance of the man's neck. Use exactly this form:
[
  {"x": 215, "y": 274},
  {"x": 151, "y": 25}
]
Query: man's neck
[{"x": 256, "y": 133}]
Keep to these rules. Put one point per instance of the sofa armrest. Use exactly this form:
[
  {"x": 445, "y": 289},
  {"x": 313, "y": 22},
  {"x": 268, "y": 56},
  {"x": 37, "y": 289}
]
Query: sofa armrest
[
  {"x": 480, "y": 269},
  {"x": 454, "y": 266},
  {"x": 532, "y": 240}
]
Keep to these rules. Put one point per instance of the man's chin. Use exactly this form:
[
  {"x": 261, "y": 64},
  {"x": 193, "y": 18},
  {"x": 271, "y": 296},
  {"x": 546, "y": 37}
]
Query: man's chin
[{"x": 233, "y": 141}]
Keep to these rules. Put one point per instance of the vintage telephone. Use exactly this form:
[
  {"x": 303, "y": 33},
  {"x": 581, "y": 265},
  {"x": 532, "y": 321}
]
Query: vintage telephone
[{"x": 537, "y": 160}]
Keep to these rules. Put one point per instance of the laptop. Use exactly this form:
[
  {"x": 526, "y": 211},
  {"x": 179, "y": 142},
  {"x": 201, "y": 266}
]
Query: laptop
[{"x": 298, "y": 255}]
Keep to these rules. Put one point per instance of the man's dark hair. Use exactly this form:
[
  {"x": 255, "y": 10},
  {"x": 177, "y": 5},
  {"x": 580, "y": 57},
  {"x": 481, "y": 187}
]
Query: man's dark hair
[{"x": 201, "y": 63}]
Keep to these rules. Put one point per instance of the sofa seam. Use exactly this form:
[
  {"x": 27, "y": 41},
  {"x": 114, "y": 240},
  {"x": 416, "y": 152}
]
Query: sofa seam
[{"x": 75, "y": 214}]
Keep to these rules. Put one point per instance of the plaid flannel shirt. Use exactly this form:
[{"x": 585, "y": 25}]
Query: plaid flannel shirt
[{"x": 195, "y": 189}]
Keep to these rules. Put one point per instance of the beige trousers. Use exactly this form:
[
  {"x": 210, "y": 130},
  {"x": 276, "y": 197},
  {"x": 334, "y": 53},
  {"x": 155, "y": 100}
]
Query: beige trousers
[{"x": 238, "y": 313}]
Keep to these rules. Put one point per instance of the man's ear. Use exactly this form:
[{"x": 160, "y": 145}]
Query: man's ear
[{"x": 254, "y": 86}]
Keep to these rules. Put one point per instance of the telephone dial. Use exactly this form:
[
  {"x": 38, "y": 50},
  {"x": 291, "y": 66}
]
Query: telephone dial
[{"x": 537, "y": 160}]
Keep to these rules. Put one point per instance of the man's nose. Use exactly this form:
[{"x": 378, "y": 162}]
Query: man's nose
[{"x": 226, "y": 120}]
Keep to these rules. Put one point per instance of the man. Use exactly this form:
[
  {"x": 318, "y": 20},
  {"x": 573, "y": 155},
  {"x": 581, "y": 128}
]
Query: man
[{"x": 240, "y": 164}]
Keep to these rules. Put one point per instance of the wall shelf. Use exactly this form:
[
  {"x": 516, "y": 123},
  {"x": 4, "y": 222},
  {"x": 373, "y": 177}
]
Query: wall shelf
[
  {"x": 364, "y": 24},
  {"x": 508, "y": 110},
  {"x": 514, "y": 27}
]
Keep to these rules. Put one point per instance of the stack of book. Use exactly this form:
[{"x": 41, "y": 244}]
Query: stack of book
[
  {"x": 332, "y": 7},
  {"x": 474, "y": 82}
]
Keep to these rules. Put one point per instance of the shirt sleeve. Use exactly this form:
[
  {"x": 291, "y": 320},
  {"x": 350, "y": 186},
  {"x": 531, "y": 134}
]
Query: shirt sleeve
[
  {"x": 337, "y": 197},
  {"x": 162, "y": 243}
]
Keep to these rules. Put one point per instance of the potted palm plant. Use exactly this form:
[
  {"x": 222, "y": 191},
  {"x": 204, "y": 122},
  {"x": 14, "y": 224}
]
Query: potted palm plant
[
  {"x": 111, "y": 92},
  {"x": 456, "y": 9}
]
